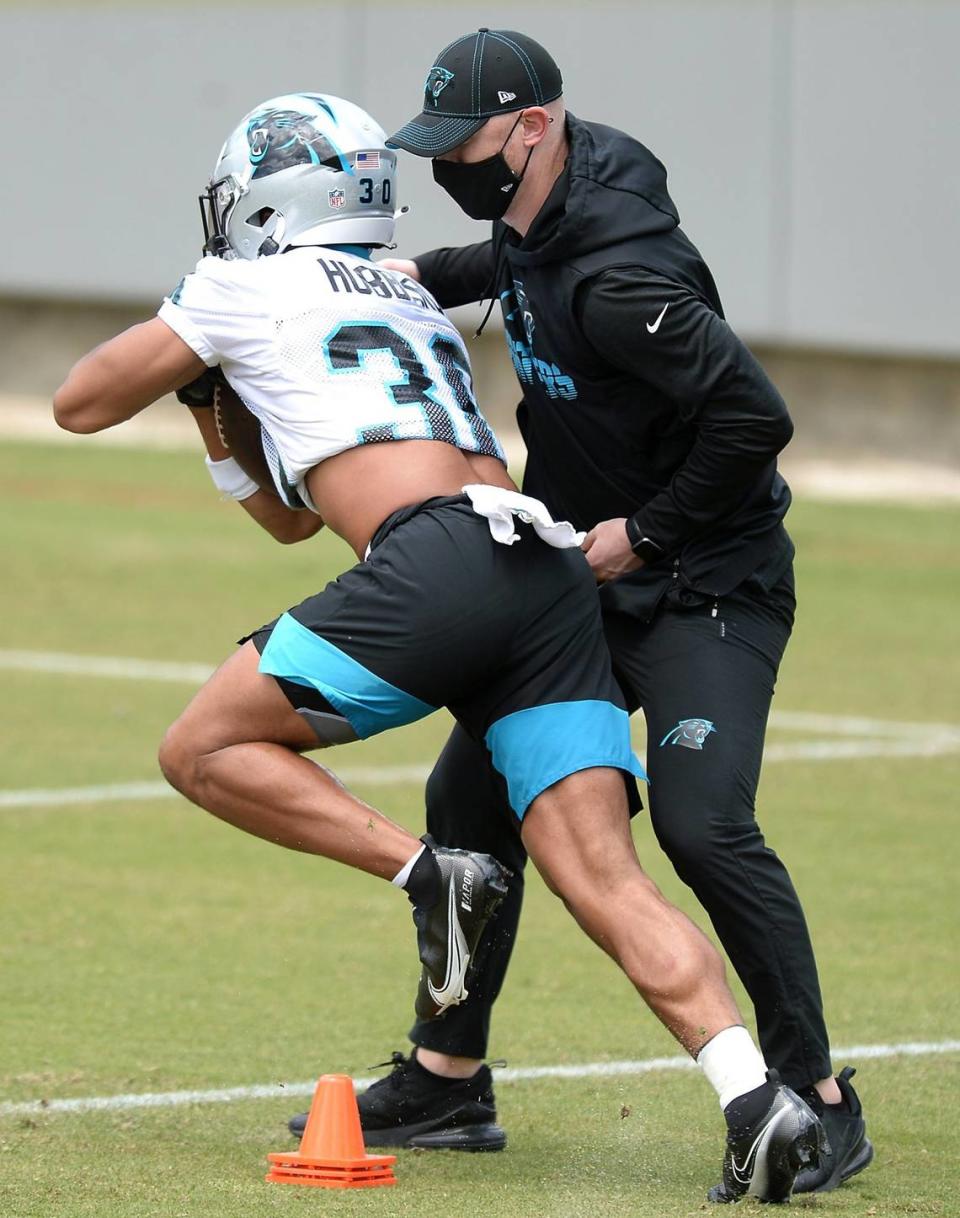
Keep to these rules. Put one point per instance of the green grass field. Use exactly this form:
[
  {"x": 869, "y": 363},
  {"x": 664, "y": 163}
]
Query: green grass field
[{"x": 148, "y": 948}]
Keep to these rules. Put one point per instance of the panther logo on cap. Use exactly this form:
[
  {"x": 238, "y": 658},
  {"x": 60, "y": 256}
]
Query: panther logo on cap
[{"x": 437, "y": 81}]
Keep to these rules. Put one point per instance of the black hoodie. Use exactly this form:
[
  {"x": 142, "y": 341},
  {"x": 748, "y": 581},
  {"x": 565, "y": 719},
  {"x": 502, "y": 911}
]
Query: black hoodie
[{"x": 639, "y": 400}]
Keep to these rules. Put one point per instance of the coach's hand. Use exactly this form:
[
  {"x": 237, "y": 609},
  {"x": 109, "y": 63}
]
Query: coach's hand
[
  {"x": 201, "y": 392},
  {"x": 608, "y": 550},
  {"x": 403, "y": 266}
]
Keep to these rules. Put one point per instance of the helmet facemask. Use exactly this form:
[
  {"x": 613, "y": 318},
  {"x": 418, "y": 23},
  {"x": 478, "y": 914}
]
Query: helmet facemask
[{"x": 216, "y": 204}]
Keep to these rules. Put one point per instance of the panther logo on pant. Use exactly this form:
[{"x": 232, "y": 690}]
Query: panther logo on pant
[{"x": 689, "y": 733}]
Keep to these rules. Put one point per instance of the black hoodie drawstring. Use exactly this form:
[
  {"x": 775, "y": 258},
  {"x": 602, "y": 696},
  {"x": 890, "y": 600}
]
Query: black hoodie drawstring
[
  {"x": 499, "y": 244},
  {"x": 486, "y": 316}
]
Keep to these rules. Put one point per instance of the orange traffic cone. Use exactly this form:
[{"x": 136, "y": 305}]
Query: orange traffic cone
[{"x": 331, "y": 1153}]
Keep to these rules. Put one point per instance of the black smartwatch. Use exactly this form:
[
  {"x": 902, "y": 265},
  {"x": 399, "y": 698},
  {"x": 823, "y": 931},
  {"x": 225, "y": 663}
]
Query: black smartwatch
[{"x": 644, "y": 547}]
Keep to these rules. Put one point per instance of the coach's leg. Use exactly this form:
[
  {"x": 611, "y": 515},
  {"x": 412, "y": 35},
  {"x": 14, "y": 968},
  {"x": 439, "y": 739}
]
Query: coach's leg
[
  {"x": 578, "y": 834},
  {"x": 467, "y": 808},
  {"x": 706, "y": 679},
  {"x": 235, "y": 751}
]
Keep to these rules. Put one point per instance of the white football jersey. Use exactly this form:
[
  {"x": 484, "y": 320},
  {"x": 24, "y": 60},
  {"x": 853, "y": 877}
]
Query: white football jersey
[{"x": 329, "y": 351}]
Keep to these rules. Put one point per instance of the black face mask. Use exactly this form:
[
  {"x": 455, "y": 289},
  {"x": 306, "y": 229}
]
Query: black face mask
[{"x": 483, "y": 189}]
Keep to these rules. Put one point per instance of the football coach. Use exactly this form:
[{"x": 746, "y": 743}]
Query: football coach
[{"x": 648, "y": 424}]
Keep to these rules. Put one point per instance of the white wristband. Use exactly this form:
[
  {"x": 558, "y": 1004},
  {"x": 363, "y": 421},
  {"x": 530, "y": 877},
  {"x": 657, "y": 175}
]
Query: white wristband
[{"x": 230, "y": 479}]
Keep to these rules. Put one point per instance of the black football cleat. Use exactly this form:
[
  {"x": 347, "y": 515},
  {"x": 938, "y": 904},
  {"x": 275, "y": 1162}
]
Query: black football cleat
[
  {"x": 415, "y": 1109},
  {"x": 763, "y": 1159},
  {"x": 471, "y": 888},
  {"x": 848, "y": 1149}
]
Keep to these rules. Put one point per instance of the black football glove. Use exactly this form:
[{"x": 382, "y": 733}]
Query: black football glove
[{"x": 202, "y": 391}]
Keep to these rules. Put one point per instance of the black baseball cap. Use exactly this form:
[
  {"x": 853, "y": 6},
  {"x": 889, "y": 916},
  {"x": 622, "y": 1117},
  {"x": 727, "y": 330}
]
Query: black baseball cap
[{"x": 479, "y": 75}]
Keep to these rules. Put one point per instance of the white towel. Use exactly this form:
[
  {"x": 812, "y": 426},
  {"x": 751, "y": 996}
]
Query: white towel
[{"x": 500, "y": 506}]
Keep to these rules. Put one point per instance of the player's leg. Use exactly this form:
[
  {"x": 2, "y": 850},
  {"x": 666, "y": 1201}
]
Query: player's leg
[
  {"x": 558, "y": 731},
  {"x": 236, "y": 751},
  {"x": 577, "y": 832},
  {"x": 475, "y": 594},
  {"x": 467, "y": 806},
  {"x": 444, "y": 554},
  {"x": 441, "y": 1096},
  {"x": 560, "y": 736},
  {"x": 706, "y": 680}
]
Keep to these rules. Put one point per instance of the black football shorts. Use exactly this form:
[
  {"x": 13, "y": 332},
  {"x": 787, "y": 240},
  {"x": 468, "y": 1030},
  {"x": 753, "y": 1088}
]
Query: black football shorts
[{"x": 507, "y": 637}]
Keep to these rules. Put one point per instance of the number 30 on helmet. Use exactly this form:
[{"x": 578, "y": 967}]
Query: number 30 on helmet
[{"x": 303, "y": 169}]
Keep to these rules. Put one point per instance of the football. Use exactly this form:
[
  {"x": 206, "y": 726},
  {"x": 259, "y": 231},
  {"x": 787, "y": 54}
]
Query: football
[{"x": 241, "y": 434}]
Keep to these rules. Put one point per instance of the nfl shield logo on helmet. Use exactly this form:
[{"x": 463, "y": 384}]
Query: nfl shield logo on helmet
[{"x": 337, "y": 198}]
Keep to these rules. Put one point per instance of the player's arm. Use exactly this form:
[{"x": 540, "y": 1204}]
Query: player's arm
[
  {"x": 121, "y": 377},
  {"x": 268, "y": 510}
]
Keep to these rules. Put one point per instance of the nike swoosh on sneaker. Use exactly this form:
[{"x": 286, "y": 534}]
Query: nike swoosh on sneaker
[
  {"x": 656, "y": 325},
  {"x": 449, "y": 992},
  {"x": 744, "y": 1174}
]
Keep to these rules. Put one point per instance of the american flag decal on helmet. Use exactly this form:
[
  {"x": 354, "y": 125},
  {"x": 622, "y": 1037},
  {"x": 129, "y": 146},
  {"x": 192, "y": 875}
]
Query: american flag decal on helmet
[{"x": 367, "y": 160}]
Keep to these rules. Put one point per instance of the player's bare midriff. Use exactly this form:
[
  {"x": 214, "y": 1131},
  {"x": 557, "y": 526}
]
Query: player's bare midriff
[{"x": 356, "y": 490}]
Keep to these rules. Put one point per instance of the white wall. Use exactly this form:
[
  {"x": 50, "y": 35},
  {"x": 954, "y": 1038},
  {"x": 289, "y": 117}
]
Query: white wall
[{"x": 812, "y": 144}]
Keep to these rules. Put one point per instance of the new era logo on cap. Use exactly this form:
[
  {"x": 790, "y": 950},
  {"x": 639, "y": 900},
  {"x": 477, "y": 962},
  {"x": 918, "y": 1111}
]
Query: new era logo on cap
[{"x": 479, "y": 75}]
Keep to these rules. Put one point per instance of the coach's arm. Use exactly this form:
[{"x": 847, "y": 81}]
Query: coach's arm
[{"x": 454, "y": 276}]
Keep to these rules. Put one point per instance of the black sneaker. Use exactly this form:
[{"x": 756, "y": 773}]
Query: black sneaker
[
  {"x": 472, "y": 887},
  {"x": 416, "y": 1109},
  {"x": 763, "y": 1159},
  {"x": 848, "y": 1149}
]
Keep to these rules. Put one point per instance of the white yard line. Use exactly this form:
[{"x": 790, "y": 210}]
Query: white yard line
[
  {"x": 853, "y": 725},
  {"x": 863, "y": 738},
  {"x": 117, "y": 792},
  {"x": 133, "y": 792},
  {"x": 226, "y": 1095},
  {"x": 130, "y": 668},
  {"x": 114, "y": 667},
  {"x": 845, "y": 750},
  {"x": 416, "y": 774},
  {"x": 859, "y": 737}
]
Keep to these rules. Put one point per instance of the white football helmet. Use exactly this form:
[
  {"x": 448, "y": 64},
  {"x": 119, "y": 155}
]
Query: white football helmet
[{"x": 303, "y": 169}]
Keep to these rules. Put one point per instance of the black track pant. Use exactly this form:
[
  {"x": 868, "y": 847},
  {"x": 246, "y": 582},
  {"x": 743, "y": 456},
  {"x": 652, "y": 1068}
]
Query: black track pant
[{"x": 704, "y": 677}]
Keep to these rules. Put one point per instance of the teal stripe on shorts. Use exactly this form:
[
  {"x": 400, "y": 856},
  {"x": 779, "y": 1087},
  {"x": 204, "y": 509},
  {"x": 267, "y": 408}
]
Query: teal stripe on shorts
[
  {"x": 368, "y": 703},
  {"x": 536, "y": 747}
]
